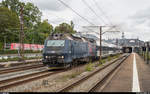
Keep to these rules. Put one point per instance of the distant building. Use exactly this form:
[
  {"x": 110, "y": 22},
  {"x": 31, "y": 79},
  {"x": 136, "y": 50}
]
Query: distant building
[
  {"x": 126, "y": 42},
  {"x": 113, "y": 42}
]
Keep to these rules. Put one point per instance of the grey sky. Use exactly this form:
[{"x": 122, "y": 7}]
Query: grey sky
[{"x": 132, "y": 16}]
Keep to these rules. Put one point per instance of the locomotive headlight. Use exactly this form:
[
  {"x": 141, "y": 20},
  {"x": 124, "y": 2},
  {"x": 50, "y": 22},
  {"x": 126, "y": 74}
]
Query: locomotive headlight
[
  {"x": 46, "y": 56},
  {"x": 61, "y": 57}
]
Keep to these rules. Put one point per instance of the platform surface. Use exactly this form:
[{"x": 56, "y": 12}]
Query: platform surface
[{"x": 127, "y": 80}]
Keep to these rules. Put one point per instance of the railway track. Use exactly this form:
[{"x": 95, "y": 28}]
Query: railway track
[
  {"x": 93, "y": 88},
  {"x": 15, "y": 81},
  {"x": 18, "y": 80},
  {"x": 20, "y": 68},
  {"x": 100, "y": 85}
]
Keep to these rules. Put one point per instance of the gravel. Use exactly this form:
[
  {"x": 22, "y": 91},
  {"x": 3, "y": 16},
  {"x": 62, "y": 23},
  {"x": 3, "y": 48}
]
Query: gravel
[
  {"x": 56, "y": 81},
  {"x": 20, "y": 73},
  {"x": 84, "y": 87}
]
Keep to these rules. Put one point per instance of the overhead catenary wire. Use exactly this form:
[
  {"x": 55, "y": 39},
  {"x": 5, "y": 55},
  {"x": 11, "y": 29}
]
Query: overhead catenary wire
[
  {"x": 100, "y": 9},
  {"x": 75, "y": 12},
  {"x": 66, "y": 5},
  {"x": 68, "y": 21},
  {"x": 75, "y": 24},
  {"x": 99, "y": 17},
  {"x": 103, "y": 13}
]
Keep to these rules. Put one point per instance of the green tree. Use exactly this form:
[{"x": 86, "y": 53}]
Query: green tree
[
  {"x": 9, "y": 24},
  {"x": 8, "y": 19},
  {"x": 65, "y": 28},
  {"x": 39, "y": 33},
  {"x": 14, "y": 5},
  {"x": 31, "y": 13},
  {"x": 31, "y": 16},
  {"x": 45, "y": 28}
]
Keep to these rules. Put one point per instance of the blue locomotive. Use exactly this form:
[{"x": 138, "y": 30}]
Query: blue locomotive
[{"x": 65, "y": 50}]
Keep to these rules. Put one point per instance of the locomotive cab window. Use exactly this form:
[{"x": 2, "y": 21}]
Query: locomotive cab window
[{"x": 56, "y": 43}]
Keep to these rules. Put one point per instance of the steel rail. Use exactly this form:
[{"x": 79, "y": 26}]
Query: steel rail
[
  {"x": 24, "y": 79},
  {"x": 76, "y": 83},
  {"x": 100, "y": 82},
  {"x": 15, "y": 69}
]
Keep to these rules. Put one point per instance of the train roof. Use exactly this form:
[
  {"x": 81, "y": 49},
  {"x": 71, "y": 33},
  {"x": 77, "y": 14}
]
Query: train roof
[{"x": 60, "y": 36}]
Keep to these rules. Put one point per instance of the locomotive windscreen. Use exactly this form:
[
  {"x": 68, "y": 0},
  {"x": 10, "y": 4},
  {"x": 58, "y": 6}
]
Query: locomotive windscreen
[{"x": 55, "y": 43}]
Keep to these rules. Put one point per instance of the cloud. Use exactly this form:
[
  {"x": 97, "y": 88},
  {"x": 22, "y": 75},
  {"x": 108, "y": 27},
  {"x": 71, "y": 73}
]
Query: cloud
[
  {"x": 131, "y": 16},
  {"x": 51, "y": 5},
  {"x": 139, "y": 24},
  {"x": 142, "y": 16}
]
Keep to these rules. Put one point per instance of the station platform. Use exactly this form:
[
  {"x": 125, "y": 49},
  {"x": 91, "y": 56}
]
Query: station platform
[{"x": 133, "y": 76}]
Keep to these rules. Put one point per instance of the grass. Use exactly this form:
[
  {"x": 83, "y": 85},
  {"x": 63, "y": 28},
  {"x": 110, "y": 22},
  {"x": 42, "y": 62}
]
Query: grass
[
  {"x": 16, "y": 59},
  {"x": 89, "y": 66},
  {"x": 102, "y": 62},
  {"x": 16, "y": 51},
  {"x": 116, "y": 56},
  {"x": 109, "y": 58},
  {"x": 73, "y": 74}
]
